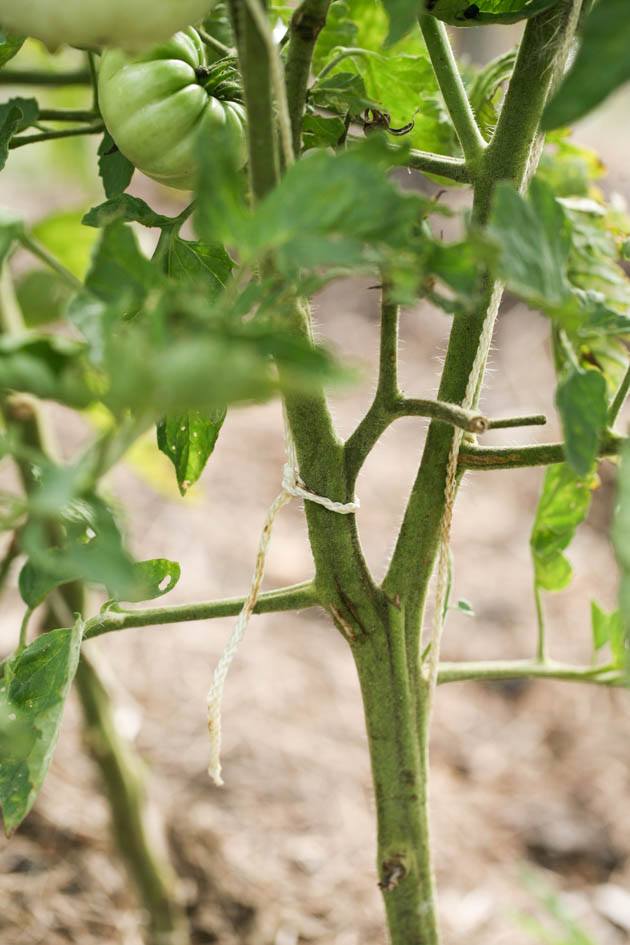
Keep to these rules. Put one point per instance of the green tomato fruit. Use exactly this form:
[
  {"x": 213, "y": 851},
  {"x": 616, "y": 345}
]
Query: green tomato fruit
[
  {"x": 155, "y": 105},
  {"x": 131, "y": 24}
]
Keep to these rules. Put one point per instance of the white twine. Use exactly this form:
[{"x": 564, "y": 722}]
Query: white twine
[{"x": 292, "y": 486}]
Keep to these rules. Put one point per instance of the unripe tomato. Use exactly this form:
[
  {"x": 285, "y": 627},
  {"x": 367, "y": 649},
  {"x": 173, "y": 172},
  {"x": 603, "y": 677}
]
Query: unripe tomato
[
  {"x": 132, "y": 24},
  {"x": 155, "y": 105}
]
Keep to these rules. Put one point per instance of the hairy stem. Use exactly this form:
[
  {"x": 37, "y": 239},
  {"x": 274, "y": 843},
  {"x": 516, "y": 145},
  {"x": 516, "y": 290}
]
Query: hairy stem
[
  {"x": 287, "y": 598},
  {"x": 306, "y": 24},
  {"x": 511, "y": 155},
  {"x": 398, "y": 756},
  {"x": 531, "y": 669},
  {"x": 516, "y": 457},
  {"x": 452, "y": 87}
]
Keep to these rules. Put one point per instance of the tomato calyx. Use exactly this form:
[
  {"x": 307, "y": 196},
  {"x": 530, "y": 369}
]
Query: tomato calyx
[{"x": 221, "y": 80}]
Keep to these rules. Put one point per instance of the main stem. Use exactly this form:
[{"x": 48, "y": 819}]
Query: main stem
[
  {"x": 372, "y": 625},
  {"x": 512, "y": 155}
]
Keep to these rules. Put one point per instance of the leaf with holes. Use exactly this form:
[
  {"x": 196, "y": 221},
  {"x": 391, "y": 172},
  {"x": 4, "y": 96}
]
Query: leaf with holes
[
  {"x": 188, "y": 440},
  {"x": 33, "y": 694}
]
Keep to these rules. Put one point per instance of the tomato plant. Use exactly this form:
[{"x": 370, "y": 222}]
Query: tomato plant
[{"x": 292, "y": 139}]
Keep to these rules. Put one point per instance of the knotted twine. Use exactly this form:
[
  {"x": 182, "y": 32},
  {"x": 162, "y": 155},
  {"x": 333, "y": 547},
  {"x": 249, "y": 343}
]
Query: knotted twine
[{"x": 292, "y": 486}]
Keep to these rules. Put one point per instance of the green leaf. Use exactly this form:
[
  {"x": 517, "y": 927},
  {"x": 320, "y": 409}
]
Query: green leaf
[
  {"x": 221, "y": 207},
  {"x": 533, "y": 240},
  {"x": 50, "y": 367},
  {"x": 569, "y": 168},
  {"x": 401, "y": 84},
  {"x": 465, "y": 607},
  {"x": 457, "y": 264},
  {"x": 90, "y": 547},
  {"x": 42, "y": 296},
  {"x": 485, "y": 91},
  {"x": 486, "y": 12},
  {"x": 563, "y": 505},
  {"x": 64, "y": 235},
  {"x": 189, "y": 440},
  {"x": 15, "y": 115},
  {"x": 608, "y": 628},
  {"x": 151, "y": 579},
  {"x": 343, "y": 92},
  {"x": 403, "y": 15},
  {"x": 582, "y": 403},
  {"x": 340, "y": 30},
  {"x": 119, "y": 272},
  {"x": 601, "y": 65},
  {"x": 9, "y": 47},
  {"x": 191, "y": 261},
  {"x": 321, "y": 131},
  {"x": 114, "y": 168},
  {"x": 319, "y": 215},
  {"x": 127, "y": 209},
  {"x": 32, "y": 698}
]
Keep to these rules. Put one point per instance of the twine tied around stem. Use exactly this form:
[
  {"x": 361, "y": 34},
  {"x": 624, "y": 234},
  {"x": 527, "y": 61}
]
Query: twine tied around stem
[{"x": 292, "y": 487}]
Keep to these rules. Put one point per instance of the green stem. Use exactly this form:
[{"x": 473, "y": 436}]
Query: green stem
[
  {"x": 516, "y": 457},
  {"x": 214, "y": 43},
  {"x": 541, "y": 639},
  {"x": 619, "y": 399},
  {"x": 91, "y": 58},
  {"x": 389, "y": 406},
  {"x": 350, "y": 52},
  {"x": 334, "y": 538},
  {"x": 306, "y": 24},
  {"x": 452, "y": 88},
  {"x": 23, "y": 639},
  {"x": 22, "y": 140},
  {"x": 531, "y": 669},
  {"x": 12, "y": 552},
  {"x": 134, "y": 825},
  {"x": 66, "y": 114},
  {"x": 286, "y": 598},
  {"x": 510, "y": 423},
  {"x": 451, "y": 168},
  {"x": 256, "y": 71},
  {"x": 513, "y": 154},
  {"x": 439, "y": 165},
  {"x": 40, "y": 252},
  {"x": 26, "y": 77},
  {"x": 398, "y": 756}
]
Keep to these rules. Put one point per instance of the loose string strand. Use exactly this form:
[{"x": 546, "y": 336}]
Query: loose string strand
[
  {"x": 450, "y": 494},
  {"x": 292, "y": 487}
]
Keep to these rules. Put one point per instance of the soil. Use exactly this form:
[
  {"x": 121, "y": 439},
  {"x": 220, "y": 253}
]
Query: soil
[{"x": 529, "y": 779}]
